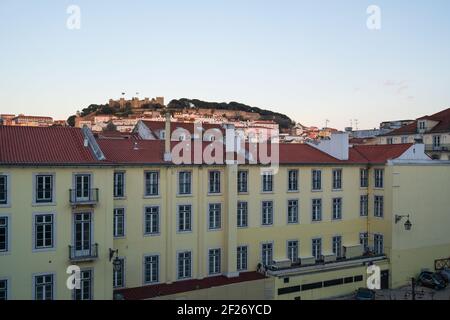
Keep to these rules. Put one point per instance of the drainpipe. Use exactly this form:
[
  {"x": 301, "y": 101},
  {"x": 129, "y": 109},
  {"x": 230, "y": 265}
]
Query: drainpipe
[{"x": 167, "y": 135}]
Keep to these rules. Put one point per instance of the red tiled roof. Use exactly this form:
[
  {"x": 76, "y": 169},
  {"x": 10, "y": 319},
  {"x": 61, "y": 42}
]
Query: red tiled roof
[
  {"x": 132, "y": 151},
  {"x": 43, "y": 145},
  {"x": 378, "y": 153},
  {"x": 157, "y": 290}
]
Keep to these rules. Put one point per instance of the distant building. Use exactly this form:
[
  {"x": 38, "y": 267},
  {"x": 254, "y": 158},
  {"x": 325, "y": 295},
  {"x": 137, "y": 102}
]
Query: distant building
[{"x": 25, "y": 120}]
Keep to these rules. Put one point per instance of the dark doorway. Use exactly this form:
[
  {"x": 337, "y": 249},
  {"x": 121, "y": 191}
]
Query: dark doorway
[{"x": 385, "y": 279}]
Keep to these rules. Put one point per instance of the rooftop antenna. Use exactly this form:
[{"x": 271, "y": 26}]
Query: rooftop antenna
[
  {"x": 326, "y": 123},
  {"x": 356, "y": 124}
]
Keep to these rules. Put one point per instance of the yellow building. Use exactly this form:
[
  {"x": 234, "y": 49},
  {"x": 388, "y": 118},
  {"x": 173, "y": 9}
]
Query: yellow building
[{"x": 140, "y": 226}]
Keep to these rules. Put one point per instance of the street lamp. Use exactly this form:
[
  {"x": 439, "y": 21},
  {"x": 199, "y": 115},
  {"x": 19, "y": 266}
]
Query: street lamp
[
  {"x": 408, "y": 224},
  {"x": 117, "y": 264}
]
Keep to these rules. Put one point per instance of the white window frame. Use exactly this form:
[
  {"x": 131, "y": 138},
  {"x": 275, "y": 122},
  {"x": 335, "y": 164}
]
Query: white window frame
[
  {"x": 217, "y": 265},
  {"x": 53, "y": 191},
  {"x": 158, "y": 220},
  {"x": 239, "y": 258},
  {"x": 313, "y": 253},
  {"x": 378, "y": 207},
  {"x": 364, "y": 240},
  {"x": 241, "y": 214},
  {"x": 33, "y": 288},
  {"x": 378, "y": 174},
  {"x": 8, "y": 190},
  {"x": 144, "y": 265},
  {"x": 363, "y": 205},
  {"x": 336, "y": 177},
  {"x": 7, "y": 288},
  {"x": 289, "y": 252},
  {"x": 189, "y": 183},
  {"x": 214, "y": 186},
  {"x": 293, "y": 181},
  {"x": 376, "y": 246},
  {"x": 316, "y": 179},
  {"x": 314, "y": 214},
  {"x": 267, "y": 217},
  {"x": 124, "y": 233},
  {"x": 297, "y": 212},
  {"x": 34, "y": 235},
  {"x": 158, "y": 183},
  {"x": 334, "y": 248},
  {"x": 216, "y": 221},
  {"x": 8, "y": 234},
  {"x": 191, "y": 219},
  {"x": 116, "y": 185},
  {"x": 191, "y": 258},
  {"x": 91, "y": 284},
  {"x": 240, "y": 182},
  {"x": 364, "y": 177},
  {"x": 267, "y": 182},
  {"x": 115, "y": 285},
  {"x": 262, "y": 253},
  {"x": 336, "y": 210}
]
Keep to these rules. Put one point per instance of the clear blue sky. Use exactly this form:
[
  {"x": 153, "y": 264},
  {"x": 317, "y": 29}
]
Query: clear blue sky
[{"x": 313, "y": 60}]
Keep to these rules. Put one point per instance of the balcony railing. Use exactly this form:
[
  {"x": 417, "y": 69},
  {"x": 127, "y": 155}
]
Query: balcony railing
[
  {"x": 87, "y": 254},
  {"x": 84, "y": 197},
  {"x": 441, "y": 147}
]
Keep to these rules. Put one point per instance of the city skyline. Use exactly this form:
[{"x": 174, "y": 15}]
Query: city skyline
[{"x": 309, "y": 61}]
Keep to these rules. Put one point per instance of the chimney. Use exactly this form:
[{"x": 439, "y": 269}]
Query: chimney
[{"x": 167, "y": 136}]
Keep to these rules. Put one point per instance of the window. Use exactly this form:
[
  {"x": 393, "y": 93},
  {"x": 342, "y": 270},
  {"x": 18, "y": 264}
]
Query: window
[
  {"x": 293, "y": 180},
  {"x": 337, "y": 246},
  {"x": 364, "y": 205},
  {"x": 364, "y": 240},
  {"x": 317, "y": 249},
  {"x": 215, "y": 219},
  {"x": 43, "y": 231},
  {"x": 214, "y": 182},
  {"x": 151, "y": 183},
  {"x": 83, "y": 187},
  {"x": 184, "y": 265},
  {"x": 3, "y": 289},
  {"x": 151, "y": 269},
  {"x": 266, "y": 253},
  {"x": 378, "y": 245},
  {"x": 337, "y": 208},
  {"x": 82, "y": 231},
  {"x": 316, "y": 180},
  {"x": 119, "y": 184},
  {"x": 4, "y": 240},
  {"x": 242, "y": 214},
  {"x": 379, "y": 206},
  {"x": 242, "y": 181},
  {"x": 317, "y": 210},
  {"x": 184, "y": 182},
  {"x": 214, "y": 261},
  {"x": 337, "y": 179},
  {"x": 43, "y": 287},
  {"x": 389, "y": 140},
  {"x": 85, "y": 291},
  {"x": 184, "y": 218},
  {"x": 242, "y": 258},
  {"x": 3, "y": 189},
  {"x": 379, "y": 178},
  {"x": 436, "y": 141},
  {"x": 267, "y": 181},
  {"x": 422, "y": 125},
  {"x": 404, "y": 139},
  {"x": 292, "y": 211},
  {"x": 151, "y": 220},
  {"x": 119, "y": 222},
  {"x": 267, "y": 213},
  {"x": 119, "y": 274},
  {"x": 44, "y": 188},
  {"x": 363, "y": 178},
  {"x": 292, "y": 250}
]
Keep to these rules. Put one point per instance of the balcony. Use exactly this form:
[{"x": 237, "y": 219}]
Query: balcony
[
  {"x": 83, "y": 197},
  {"x": 89, "y": 254},
  {"x": 437, "y": 148}
]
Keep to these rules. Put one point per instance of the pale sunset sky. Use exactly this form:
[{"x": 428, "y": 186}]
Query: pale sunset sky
[{"x": 312, "y": 60}]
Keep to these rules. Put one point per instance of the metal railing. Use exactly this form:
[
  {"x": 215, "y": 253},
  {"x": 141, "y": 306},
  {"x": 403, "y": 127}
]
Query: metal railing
[
  {"x": 441, "y": 147},
  {"x": 83, "y": 197},
  {"x": 84, "y": 254}
]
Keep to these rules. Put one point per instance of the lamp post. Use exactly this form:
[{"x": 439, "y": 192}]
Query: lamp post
[
  {"x": 116, "y": 262},
  {"x": 408, "y": 224}
]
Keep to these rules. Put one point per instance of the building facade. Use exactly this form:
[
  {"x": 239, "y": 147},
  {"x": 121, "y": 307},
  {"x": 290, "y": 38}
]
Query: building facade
[{"x": 141, "y": 227}]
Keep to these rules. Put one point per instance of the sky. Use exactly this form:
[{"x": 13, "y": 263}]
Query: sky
[{"x": 312, "y": 60}]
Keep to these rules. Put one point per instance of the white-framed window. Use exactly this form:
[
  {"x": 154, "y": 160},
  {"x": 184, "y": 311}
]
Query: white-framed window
[
  {"x": 215, "y": 216},
  {"x": 267, "y": 181},
  {"x": 151, "y": 220},
  {"x": 389, "y": 140},
  {"x": 242, "y": 181},
  {"x": 184, "y": 182},
  {"x": 267, "y": 253},
  {"x": 267, "y": 213},
  {"x": 293, "y": 180},
  {"x": 83, "y": 191},
  {"x": 363, "y": 178},
  {"x": 44, "y": 188},
  {"x": 86, "y": 284},
  {"x": 214, "y": 260},
  {"x": 184, "y": 265},
  {"x": 317, "y": 248},
  {"x": 317, "y": 180},
  {"x": 436, "y": 141},
  {"x": 292, "y": 250},
  {"x": 337, "y": 208},
  {"x": 3, "y": 289},
  {"x": 379, "y": 206},
  {"x": 242, "y": 258},
  {"x": 44, "y": 231},
  {"x": 337, "y": 246},
  {"x": 363, "y": 205},
  {"x": 185, "y": 218},
  {"x": 422, "y": 125},
  {"x": 4, "y": 190},
  {"x": 404, "y": 139},
  {"x": 214, "y": 182},
  {"x": 151, "y": 269},
  {"x": 364, "y": 240},
  {"x": 119, "y": 222},
  {"x": 119, "y": 274},
  {"x": 292, "y": 213},
  {"x": 337, "y": 179},
  {"x": 4, "y": 234},
  {"x": 82, "y": 234},
  {"x": 151, "y": 183},
  {"x": 119, "y": 184},
  {"x": 44, "y": 287},
  {"x": 378, "y": 244},
  {"x": 242, "y": 214},
  {"x": 379, "y": 175},
  {"x": 316, "y": 210}
]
